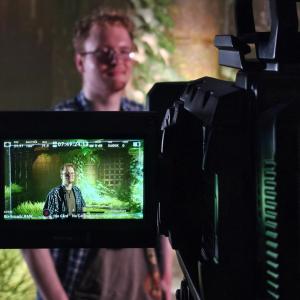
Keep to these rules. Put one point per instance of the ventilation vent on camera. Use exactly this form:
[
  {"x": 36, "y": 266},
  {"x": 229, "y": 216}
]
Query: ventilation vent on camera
[{"x": 270, "y": 217}]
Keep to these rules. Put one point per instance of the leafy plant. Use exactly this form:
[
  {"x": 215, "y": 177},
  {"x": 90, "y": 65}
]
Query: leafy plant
[
  {"x": 29, "y": 208},
  {"x": 136, "y": 177},
  {"x": 12, "y": 189},
  {"x": 135, "y": 206},
  {"x": 155, "y": 45},
  {"x": 16, "y": 282}
]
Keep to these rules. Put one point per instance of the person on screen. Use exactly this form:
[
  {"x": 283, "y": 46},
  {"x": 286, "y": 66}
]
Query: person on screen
[
  {"x": 65, "y": 200},
  {"x": 104, "y": 46}
]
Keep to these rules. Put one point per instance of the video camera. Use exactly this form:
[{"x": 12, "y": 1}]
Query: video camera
[
  {"x": 231, "y": 151},
  {"x": 214, "y": 166}
]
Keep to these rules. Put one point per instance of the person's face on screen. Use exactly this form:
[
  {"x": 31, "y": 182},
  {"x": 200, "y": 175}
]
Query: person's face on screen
[
  {"x": 106, "y": 63},
  {"x": 68, "y": 175}
]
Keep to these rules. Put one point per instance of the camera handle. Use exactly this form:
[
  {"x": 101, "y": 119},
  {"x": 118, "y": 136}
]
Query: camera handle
[{"x": 280, "y": 45}]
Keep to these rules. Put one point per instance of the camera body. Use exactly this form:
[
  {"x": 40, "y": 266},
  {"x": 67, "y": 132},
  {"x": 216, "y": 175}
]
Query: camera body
[
  {"x": 244, "y": 135},
  {"x": 232, "y": 151}
]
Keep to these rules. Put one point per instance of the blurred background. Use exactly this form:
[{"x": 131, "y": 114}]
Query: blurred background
[
  {"x": 174, "y": 39},
  {"x": 175, "y": 43}
]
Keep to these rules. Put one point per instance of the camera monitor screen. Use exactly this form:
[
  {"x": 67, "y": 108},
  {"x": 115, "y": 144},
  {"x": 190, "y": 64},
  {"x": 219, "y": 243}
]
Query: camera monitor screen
[{"x": 71, "y": 179}]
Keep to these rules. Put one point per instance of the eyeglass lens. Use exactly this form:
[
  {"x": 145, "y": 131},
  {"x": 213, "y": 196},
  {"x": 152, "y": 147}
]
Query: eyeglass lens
[{"x": 110, "y": 55}]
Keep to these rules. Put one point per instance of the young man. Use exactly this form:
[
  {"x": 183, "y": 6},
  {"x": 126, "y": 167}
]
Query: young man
[
  {"x": 104, "y": 52},
  {"x": 104, "y": 49},
  {"x": 64, "y": 200}
]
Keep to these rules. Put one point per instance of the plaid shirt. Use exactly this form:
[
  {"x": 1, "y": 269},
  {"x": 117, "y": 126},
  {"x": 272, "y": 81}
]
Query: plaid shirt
[
  {"x": 70, "y": 263},
  {"x": 56, "y": 203},
  {"x": 80, "y": 103}
]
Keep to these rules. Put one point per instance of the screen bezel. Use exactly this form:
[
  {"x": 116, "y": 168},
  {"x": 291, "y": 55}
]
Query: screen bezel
[{"x": 83, "y": 233}]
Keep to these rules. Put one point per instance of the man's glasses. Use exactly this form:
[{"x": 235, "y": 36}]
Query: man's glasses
[
  {"x": 109, "y": 55},
  {"x": 67, "y": 173}
]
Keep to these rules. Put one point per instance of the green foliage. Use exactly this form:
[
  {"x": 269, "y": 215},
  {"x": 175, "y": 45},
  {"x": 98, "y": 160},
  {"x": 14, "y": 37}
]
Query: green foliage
[
  {"x": 81, "y": 157},
  {"x": 136, "y": 176},
  {"x": 14, "y": 188},
  {"x": 93, "y": 192},
  {"x": 123, "y": 193},
  {"x": 135, "y": 206},
  {"x": 100, "y": 195},
  {"x": 107, "y": 202},
  {"x": 15, "y": 280},
  {"x": 29, "y": 208},
  {"x": 97, "y": 194},
  {"x": 155, "y": 45}
]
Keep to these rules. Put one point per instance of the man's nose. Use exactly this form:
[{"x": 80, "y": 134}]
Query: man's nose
[{"x": 113, "y": 59}]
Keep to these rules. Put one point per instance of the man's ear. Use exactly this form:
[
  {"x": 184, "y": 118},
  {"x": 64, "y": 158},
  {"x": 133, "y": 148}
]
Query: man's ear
[{"x": 79, "y": 63}]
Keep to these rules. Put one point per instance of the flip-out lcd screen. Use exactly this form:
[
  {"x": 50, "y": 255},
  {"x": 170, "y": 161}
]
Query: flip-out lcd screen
[
  {"x": 86, "y": 179},
  {"x": 78, "y": 179}
]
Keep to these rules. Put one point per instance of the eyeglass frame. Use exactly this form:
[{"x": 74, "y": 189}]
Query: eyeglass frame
[{"x": 110, "y": 51}]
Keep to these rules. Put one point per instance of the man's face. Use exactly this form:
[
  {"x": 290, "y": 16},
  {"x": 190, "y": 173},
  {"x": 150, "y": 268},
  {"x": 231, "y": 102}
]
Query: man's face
[
  {"x": 106, "y": 66},
  {"x": 68, "y": 175}
]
